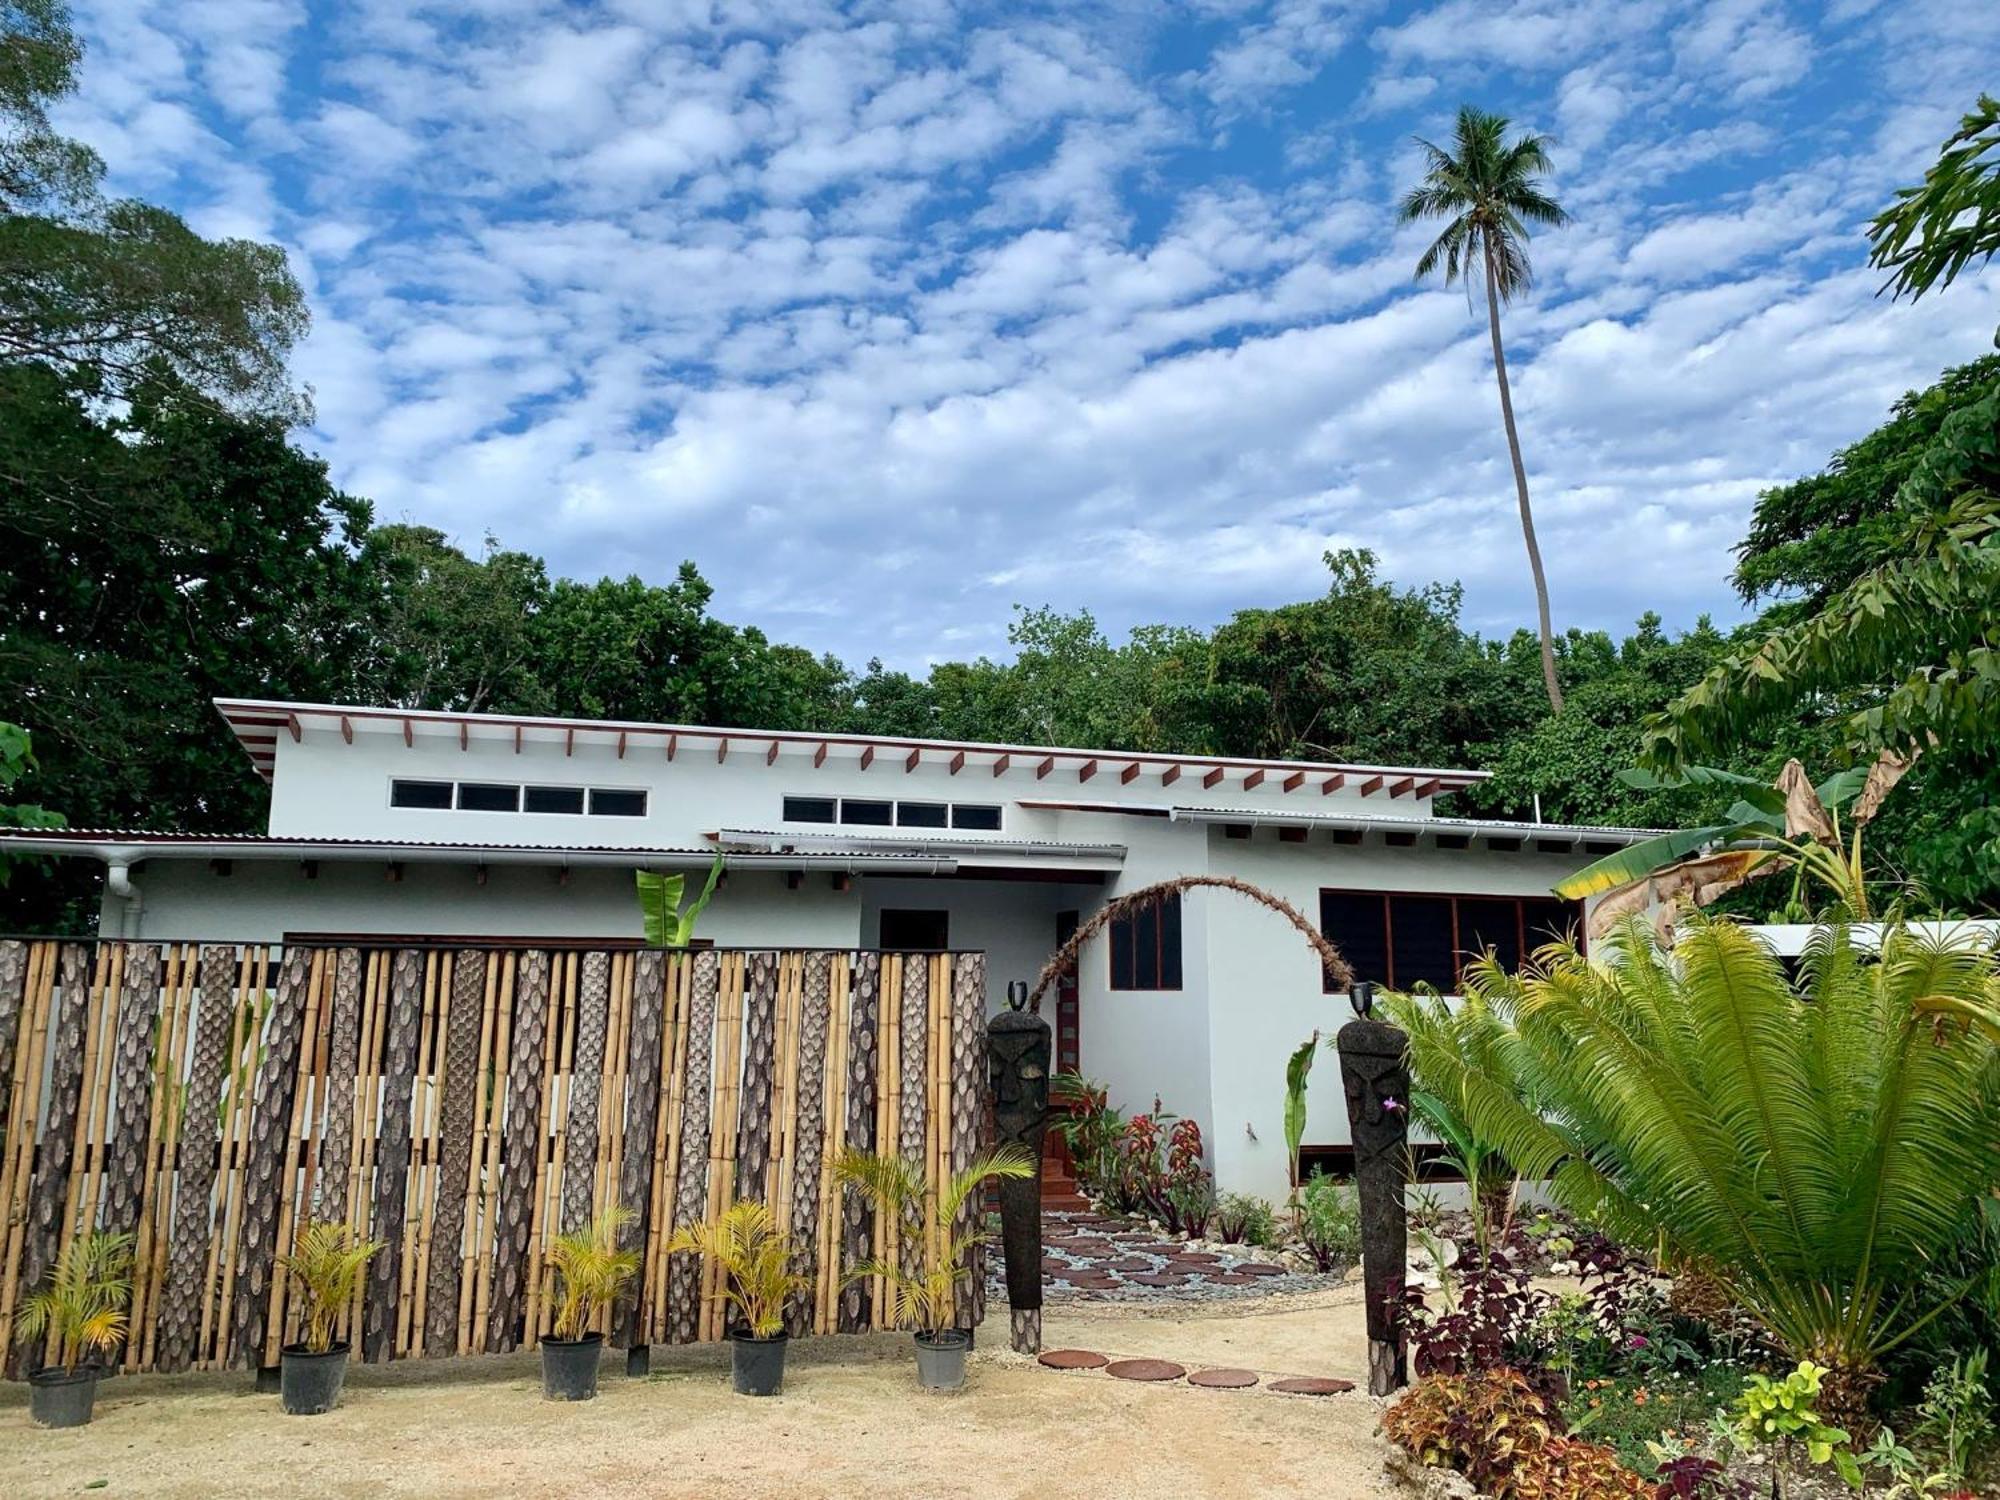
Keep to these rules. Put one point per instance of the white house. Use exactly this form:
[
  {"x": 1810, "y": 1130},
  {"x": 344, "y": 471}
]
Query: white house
[{"x": 394, "y": 822}]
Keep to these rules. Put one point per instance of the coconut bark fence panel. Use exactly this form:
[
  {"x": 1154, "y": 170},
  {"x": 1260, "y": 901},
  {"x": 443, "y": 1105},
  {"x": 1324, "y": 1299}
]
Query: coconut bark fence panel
[{"x": 462, "y": 1104}]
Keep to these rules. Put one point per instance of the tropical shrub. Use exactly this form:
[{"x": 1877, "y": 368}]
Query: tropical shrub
[
  {"x": 1506, "y": 1436},
  {"x": 755, "y": 1260},
  {"x": 1330, "y": 1221},
  {"x": 926, "y": 1298},
  {"x": 1957, "y": 1414},
  {"x": 1091, "y": 1129},
  {"x": 1244, "y": 1219},
  {"x": 1815, "y": 1142},
  {"x": 84, "y": 1303},
  {"x": 325, "y": 1266},
  {"x": 1784, "y": 1413},
  {"x": 591, "y": 1271}
]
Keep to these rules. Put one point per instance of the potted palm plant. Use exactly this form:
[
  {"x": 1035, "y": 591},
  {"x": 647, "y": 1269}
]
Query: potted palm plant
[
  {"x": 756, "y": 1261},
  {"x": 83, "y": 1306},
  {"x": 325, "y": 1266},
  {"x": 941, "y": 1237},
  {"x": 590, "y": 1271}
]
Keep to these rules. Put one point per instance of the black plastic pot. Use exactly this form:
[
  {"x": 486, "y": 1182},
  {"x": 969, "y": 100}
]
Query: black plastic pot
[
  {"x": 59, "y": 1399},
  {"x": 310, "y": 1383},
  {"x": 941, "y": 1359},
  {"x": 569, "y": 1367},
  {"x": 758, "y": 1365}
]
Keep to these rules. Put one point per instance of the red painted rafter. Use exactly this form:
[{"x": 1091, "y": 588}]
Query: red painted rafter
[
  {"x": 1294, "y": 781},
  {"x": 1212, "y": 777},
  {"x": 621, "y": 744},
  {"x": 517, "y": 739},
  {"x": 1000, "y": 765},
  {"x": 1426, "y": 788},
  {"x": 1254, "y": 780},
  {"x": 771, "y": 755},
  {"x": 1332, "y": 784},
  {"x": 1169, "y": 776},
  {"x": 957, "y": 763},
  {"x": 1402, "y": 787},
  {"x": 911, "y": 763},
  {"x": 819, "y": 755},
  {"x": 569, "y": 742},
  {"x": 867, "y": 757},
  {"x": 673, "y": 745},
  {"x": 408, "y": 738},
  {"x": 1045, "y": 767},
  {"x": 722, "y": 750},
  {"x": 1370, "y": 787},
  {"x": 464, "y": 735},
  {"x": 1089, "y": 769},
  {"x": 1129, "y": 774},
  {"x": 347, "y": 729}
]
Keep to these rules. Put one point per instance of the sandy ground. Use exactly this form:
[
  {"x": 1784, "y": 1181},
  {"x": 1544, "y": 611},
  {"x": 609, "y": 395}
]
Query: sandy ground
[{"x": 851, "y": 1423}]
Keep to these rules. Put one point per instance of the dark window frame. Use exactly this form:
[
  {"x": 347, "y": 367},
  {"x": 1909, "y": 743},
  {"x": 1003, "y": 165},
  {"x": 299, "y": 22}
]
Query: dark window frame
[
  {"x": 591, "y": 809},
  {"x": 458, "y": 795},
  {"x": 1128, "y": 937},
  {"x": 1460, "y": 955},
  {"x": 449, "y": 788},
  {"x": 942, "y": 809},
  {"x": 832, "y": 809},
  {"x": 582, "y": 801},
  {"x": 982, "y": 810},
  {"x": 887, "y": 804}
]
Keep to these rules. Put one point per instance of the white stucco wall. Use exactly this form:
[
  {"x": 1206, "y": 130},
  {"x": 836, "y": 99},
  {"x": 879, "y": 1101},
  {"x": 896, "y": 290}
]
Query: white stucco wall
[{"x": 1013, "y": 922}]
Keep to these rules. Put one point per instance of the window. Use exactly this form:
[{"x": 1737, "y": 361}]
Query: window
[
  {"x": 980, "y": 815},
  {"x": 1400, "y": 940},
  {"x": 553, "y": 799},
  {"x": 869, "y": 814},
  {"x": 420, "y": 794},
  {"x": 874, "y": 812},
  {"x": 809, "y": 809},
  {"x": 923, "y": 814},
  {"x": 607, "y": 802},
  {"x": 486, "y": 796},
  {"x": 915, "y": 931},
  {"x": 1146, "y": 947}
]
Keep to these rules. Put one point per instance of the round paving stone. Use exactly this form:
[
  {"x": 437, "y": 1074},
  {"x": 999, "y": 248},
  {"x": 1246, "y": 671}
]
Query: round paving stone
[
  {"x": 1128, "y": 1263},
  {"x": 1175, "y": 1279},
  {"x": 1074, "y": 1359},
  {"x": 1145, "y": 1369},
  {"x": 1231, "y": 1278},
  {"x": 1258, "y": 1268},
  {"x": 1311, "y": 1385},
  {"x": 1223, "y": 1380},
  {"x": 1197, "y": 1257}
]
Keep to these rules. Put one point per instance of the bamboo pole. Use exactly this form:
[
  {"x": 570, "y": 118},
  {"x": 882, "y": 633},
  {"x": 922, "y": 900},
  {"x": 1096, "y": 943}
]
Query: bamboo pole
[
  {"x": 833, "y": 1142},
  {"x": 24, "y": 1110},
  {"x": 673, "y": 1122},
  {"x": 242, "y": 1071},
  {"x": 312, "y": 1055},
  {"x": 548, "y": 1177},
  {"x": 361, "y": 1145},
  {"x": 81, "y": 1201},
  {"x": 416, "y": 1201},
  {"x": 722, "y": 1174},
  {"x": 156, "y": 1191},
  {"x": 888, "y": 1122},
  {"x": 487, "y": 1153}
]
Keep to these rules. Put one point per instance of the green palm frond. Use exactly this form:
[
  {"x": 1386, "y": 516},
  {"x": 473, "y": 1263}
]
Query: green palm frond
[
  {"x": 591, "y": 1271},
  {"x": 1817, "y": 1141},
  {"x": 756, "y": 1262},
  {"x": 1488, "y": 190},
  {"x": 325, "y": 1266},
  {"x": 936, "y": 1222},
  {"x": 83, "y": 1305}
]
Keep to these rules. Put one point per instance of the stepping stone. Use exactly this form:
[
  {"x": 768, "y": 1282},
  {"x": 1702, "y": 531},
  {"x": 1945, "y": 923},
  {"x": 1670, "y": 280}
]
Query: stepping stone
[
  {"x": 1223, "y": 1380},
  {"x": 1145, "y": 1369},
  {"x": 1197, "y": 1257},
  {"x": 1258, "y": 1268},
  {"x": 1128, "y": 1264},
  {"x": 1074, "y": 1359},
  {"x": 1162, "y": 1278},
  {"x": 1230, "y": 1278},
  {"x": 1312, "y": 1385},
  {"x": 1092, "y": 1281}
]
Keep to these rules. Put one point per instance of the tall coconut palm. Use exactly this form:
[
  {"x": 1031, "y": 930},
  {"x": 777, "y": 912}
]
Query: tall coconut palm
[{"x": 1488, "y": 192}]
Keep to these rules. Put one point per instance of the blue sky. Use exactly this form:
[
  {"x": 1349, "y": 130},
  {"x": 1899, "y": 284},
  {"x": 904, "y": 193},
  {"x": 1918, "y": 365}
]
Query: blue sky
[{"x": 892, "y": 316}]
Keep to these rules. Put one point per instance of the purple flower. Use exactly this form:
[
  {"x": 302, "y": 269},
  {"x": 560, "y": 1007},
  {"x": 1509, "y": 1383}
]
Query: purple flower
[
  {"x": 1391, "y": 1104},
  {"x": 1637, "y": 1341}
]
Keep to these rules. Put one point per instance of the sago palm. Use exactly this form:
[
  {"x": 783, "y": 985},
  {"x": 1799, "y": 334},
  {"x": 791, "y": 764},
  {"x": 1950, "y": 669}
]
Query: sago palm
[
  {"x": 1816, "y": 1143},
  {"x": 755, "y": 1260},
  {"x": 1488, "y": 191},
  {"x": 591, "y": 1271},
  {"x": 85, "y": 1299},
  {"x": 934, "y": 1220}
]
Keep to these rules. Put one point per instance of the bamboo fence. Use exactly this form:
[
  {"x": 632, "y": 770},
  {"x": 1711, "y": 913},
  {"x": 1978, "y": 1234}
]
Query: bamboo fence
[{"x": 463, "y": 1106}]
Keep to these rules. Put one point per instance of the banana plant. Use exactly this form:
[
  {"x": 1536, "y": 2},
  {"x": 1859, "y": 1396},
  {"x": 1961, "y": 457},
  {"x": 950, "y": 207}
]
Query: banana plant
[
  {"x": 668, "y": 925},
  {"x": 1790, "y": 824},
  {"x": 1297, "y": 1066}
]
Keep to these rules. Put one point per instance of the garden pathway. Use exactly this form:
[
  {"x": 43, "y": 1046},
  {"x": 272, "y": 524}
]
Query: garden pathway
[{"x": 1094, "y": 1257}]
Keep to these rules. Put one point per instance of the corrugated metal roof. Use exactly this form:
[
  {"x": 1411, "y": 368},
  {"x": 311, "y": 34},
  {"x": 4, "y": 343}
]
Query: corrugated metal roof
[
  {"x": 1387, "y": 822},
  {"x": 951, "y": 843}
]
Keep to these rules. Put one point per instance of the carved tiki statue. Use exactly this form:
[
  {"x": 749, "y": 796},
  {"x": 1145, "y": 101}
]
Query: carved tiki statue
[
  {"x": 1018, "y": 1052},
  {"x": 1376, "y": 1076}
]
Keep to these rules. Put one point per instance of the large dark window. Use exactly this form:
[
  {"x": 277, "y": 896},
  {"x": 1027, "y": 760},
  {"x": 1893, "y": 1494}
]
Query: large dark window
[
  {"x": 809, "y": 809},
  {"x": 911, "y": 931},
  {"x": 922, "y": 814},
  {"x": 870, "y": 814},
  {"x": 1402, "y": 940},
  {"x": 420, "y": 794},
  {"x": 1146, "y": 947},
  {"x": 612, "y": 802},
  {"x": 552, "y": 799},
  {"x": 488, "y": 796},
  {"x": 983, "y": 816}
]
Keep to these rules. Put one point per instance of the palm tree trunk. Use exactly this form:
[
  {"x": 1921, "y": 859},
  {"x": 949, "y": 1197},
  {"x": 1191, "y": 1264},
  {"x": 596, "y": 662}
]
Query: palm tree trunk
[{"x": 1521, "y": 491}]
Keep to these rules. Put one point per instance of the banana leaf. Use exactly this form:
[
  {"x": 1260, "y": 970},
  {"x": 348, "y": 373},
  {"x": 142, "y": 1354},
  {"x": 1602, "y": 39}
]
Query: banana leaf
[
  {"x": 1296, "y": 1067},
  {"x": 1637, "y": 861},
  {"x": 666, "y": 924}
]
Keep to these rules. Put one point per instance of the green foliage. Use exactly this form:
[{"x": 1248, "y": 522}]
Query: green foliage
[
  {"x": 1957, "y": 1413},
  {"x": 83, "y": 1305},
  {"x": 1783, "y": 1412},
  {"x": 1487, "y": 190},
  {"x": 113, "y": 294},
  {"x": 1935, "y": 230},
  {"x": 755, "y": 1260},
  {"x": 1297, "y": 1067},
  {"x": 325, "y": 1266},
  {"x": 1092, "y": 1130},
  {"x": 1504, "y": 1435},
  {"x": 17, "y": 758},
  {"x": 591, "y": 1271},
  {"x": 1245, "y": 1219},
  {"x": 1330, "y": 1221},
  {"x": 668, "y": 924},
  {"x": 937, "y": 1234},
  {"x": 1818, "y": 1142}
]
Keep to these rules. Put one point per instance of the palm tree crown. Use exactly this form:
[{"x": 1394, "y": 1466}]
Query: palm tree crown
[{"x": 1489, "y": 192}]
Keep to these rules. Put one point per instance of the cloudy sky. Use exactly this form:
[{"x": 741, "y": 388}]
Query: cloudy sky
[{"x": 897, "y": 314}]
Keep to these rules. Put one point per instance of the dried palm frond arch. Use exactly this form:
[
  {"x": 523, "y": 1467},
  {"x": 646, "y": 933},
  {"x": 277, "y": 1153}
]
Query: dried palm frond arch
[{"x": 1337, "y": 967}]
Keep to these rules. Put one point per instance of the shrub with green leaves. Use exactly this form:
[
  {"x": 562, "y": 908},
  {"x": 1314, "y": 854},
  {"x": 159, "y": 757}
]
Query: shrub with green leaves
[
  {"x": 1783, "y": 1412},
  {"x": 1244, "y": 1219},
  {"x": 1330, "y": 1221}
]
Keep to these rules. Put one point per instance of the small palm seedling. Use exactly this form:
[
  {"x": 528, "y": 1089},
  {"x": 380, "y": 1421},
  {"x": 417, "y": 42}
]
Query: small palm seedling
[
  {"x": 756, "y": 1263},
  {"x": 82, "y": 1308},
  {"x": 591, "y": 1272},
  {"x": 325, "y": 1267},
  {"x": 936, "y": 1224}
]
